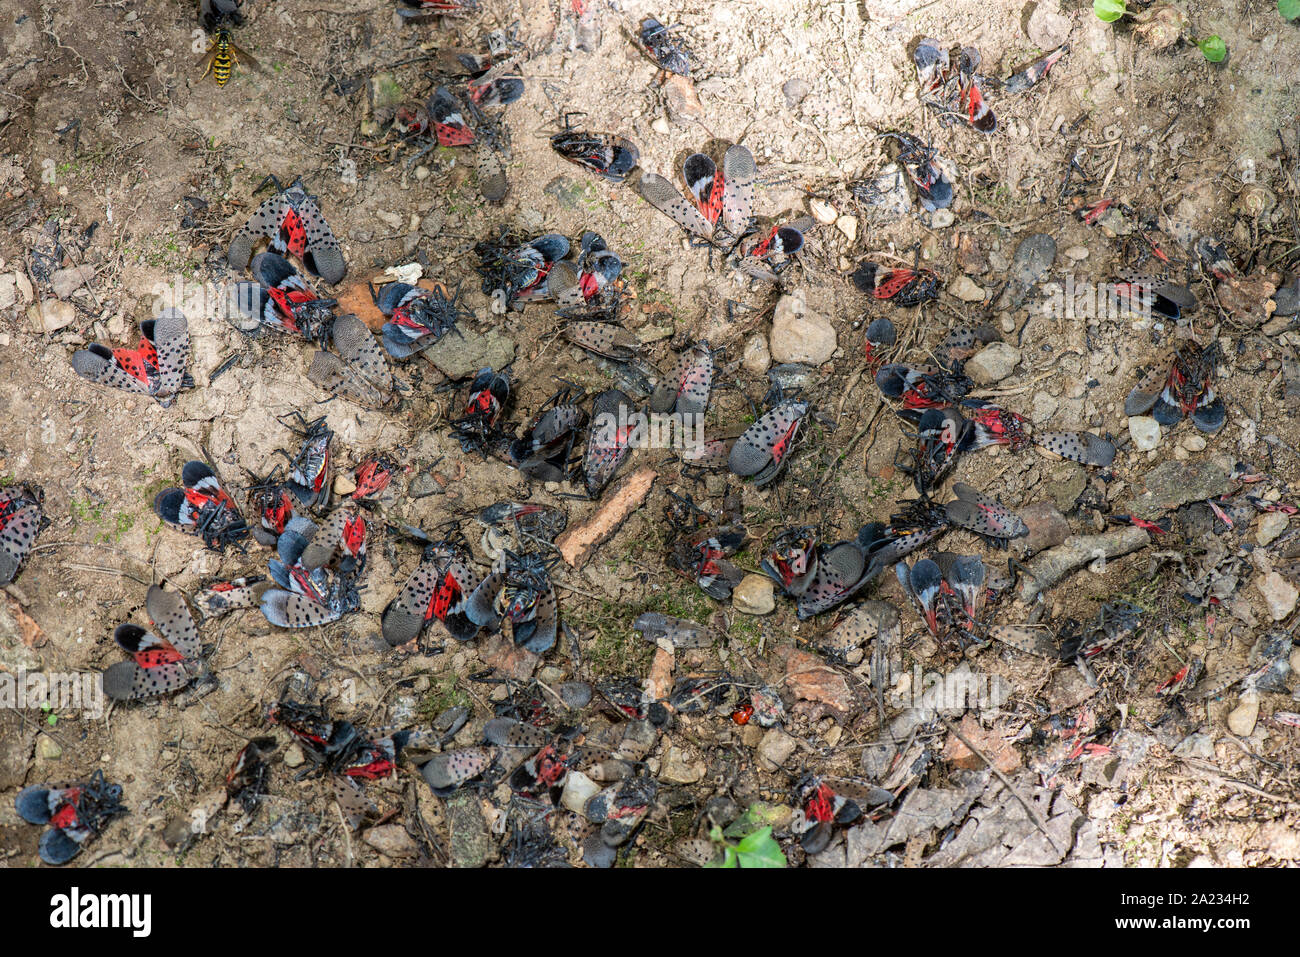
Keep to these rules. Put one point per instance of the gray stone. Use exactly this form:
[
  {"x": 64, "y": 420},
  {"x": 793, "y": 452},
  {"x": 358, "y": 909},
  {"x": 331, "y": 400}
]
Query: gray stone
[
  {"x": 460, "y": 356},
  {"x": 1271, "y": 525},
  {"x": 754, "y": 595},
  {"x": 1047, "y": 528},
  {"x": 391, "y": 840},
  {"x": 993, "y": 363},
  {"x": 1145, "y": 432},
  {"x": 799, "y": 334},
  {"x": 1171, "y": 484},
  {"x": 51, "y": 315},
  {"x": 966, "y": 289},
  {"x": 794, "y": 91},
  {"x": 775, "y": 749},
  {"x": 677, "y": 768},
  {"x": 67, "y": 281},
  {"x": 470, "y": 841},
  {"x": 1278, "y": 593},
  {"x": 755, "y": 357}
]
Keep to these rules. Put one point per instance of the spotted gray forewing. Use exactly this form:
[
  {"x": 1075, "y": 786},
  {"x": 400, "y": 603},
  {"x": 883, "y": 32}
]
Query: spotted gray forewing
[
  {"x": 20, "y": 520},
  {"x": 976, "y": 512},
  {"x": 224, "y": 597},
  {"x": 839, "y": 574},
  {"x": 445, "y": 772},
  {"x": 665, "y": 197},
  {"x": 354, "y": 804},
  {"x": 287, "y": 609},
  {"x": 603, "y": 338},
  {"x": 345, "y": 381},
  {"x": 764, "y": 447},
  {"x": 562, "y": 285},
  {"x": 686, "y": 389},
  {"x": 607, "y": 443},
  {"x": 1082, "y": 447},
  {"x": 738, "y": 175},
  {"x": 1144, "y": 395},
  {"x": 359, "y": 349}
]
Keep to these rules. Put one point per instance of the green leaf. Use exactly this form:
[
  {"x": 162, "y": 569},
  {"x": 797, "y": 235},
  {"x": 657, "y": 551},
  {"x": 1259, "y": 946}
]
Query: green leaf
[
  {"x": 1213, "y": 47},
  {"x": 760, "y": 850},
  {"x": 1108, "y": 11},
  {"x": 1290, "y": 9}
]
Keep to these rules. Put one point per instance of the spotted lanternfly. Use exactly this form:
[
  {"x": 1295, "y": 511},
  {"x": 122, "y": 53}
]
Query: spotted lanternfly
[
  {"x": 976, "y": 512},
  {"x": 20, "y": 521},
  {"x": 841, "y": 571},
  {"x": 157, "y": 367},
  {"x": 439, "y": 588},
  {"x": 686, "y": 389},
  {"x": 1215, "y": 259},
  {"x": 878, "y": 339},
  {"x": 292, "y": 221},
  {"x": 965, "y": 576},
  {"x": 933, "y": 67},
  {"x": 1082, "y": 447},
  {"x": 202, "y": 507},
  {"x": 526, "y": 519},
  {"x": 544, "y": 451},
  {"x": 417, "y": 317},
  {"x": 994, "y": 426},
  {"x": 921, "y": 387},
  {"x": 941, "y": 434},
  {"x": 359, "y": 372},
  {"x": 603, "y": 338},
  {"x": 703, "y": 557},
  {"x": 246, "y": 779},
  {"x": 608, "y": 443},
  {"x": 488, "y": 394},
  {"x": 446, "y": 772},
  {"x": 74, "y": 812},
  {"x": 613, "y": 157},
  {"x": 920, "y": 523},
  {"x": 821, "y": 809},
  {"x": 1116, "y": 622},
  {"x": 922, "y": 583},
  {"x": 594, "y": 282},
  {"x": 1023, "y": 79},
  {"x": 280, "y": 299},
  {"x": 726, "y": 194},
  {"x": 973, "y": 105},
  {"x": 273, "y": 504},
  {"x": 762, "y": 450},
  {"x": 791, "y": 560},
  {"x": 773, "y": 250},
  {"x": 221, "y": 598},
  {"x": 525, "y": 597},
  {"x": 162, "y": 664},
  {"x": 903, "y": 287},
  {"x": 1183, "y": 388},
  {"x": 1159, "y": 527},
  {"x": 1144, "y": 295},
  {"x": 372, "y": 477},
  {"x": 449, "y": 124},
  {"x": 409, "y": 9},
  {"x": 518, "y": 270},
  {"x": 933, "y": 189},
  {"x": 349, "y": 755},
  {"x": 309, "y": 470},
  {"x": 665, "y": 48},
  {"x": 1183, "y": 679},
  {"x": 313, "y": 588}
]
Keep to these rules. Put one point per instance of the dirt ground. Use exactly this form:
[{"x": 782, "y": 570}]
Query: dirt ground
[{"x": 1198, "y": 148}]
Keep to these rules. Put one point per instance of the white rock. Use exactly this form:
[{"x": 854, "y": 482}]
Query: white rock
[
  {"x": 578, "y": 790},
  {"x": 848, "y": 225},
  {"x": 993, "y": 363},
  {"x": 822, "y": 211},
  {"x": 660, "y": 126},
  {"x": 1279, "y": 595},
  {"x": 8, "y": 290},
  {"x": 942, "y": 219},
  {"x": 1194, "y": 443},
  {"x": 51, "y": 315},
  {"x": 344, "y": 484},
  {"x": 775, "y": 749},
  {"x": 1145, "y": 432},
  {"x": 1241, "y": 721},
  {"x": 67, "y": 281},
  {"x": 755, "y": 357},
  {"x": 754, "y": 595},
  {"x": 966, "y": 289},
  {"x": 799, "y": 335},
  {"x": 1077, "y": 253},
  {"x": 1271, "y": 525}
]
